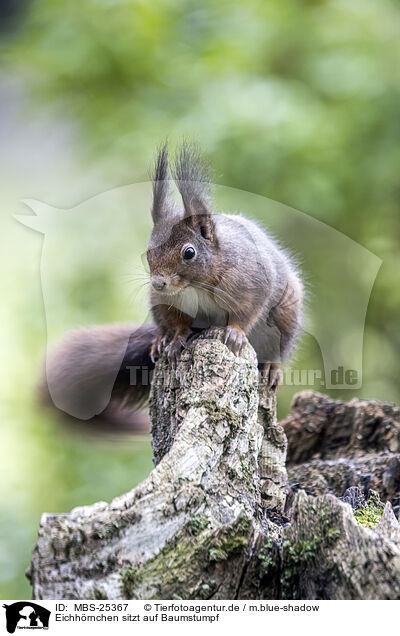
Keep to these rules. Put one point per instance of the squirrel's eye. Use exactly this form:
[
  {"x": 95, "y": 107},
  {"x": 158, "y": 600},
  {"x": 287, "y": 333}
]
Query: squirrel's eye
[{"x": 189, "y": 253}]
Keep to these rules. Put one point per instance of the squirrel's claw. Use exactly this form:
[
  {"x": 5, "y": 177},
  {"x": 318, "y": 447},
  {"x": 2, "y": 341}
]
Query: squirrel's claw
[
  {"x": 157, "y": 347},
  {"x": 273, "y": 376},
  {"x": 235, "y": 339},
  {"x": 174, "y": 349}
]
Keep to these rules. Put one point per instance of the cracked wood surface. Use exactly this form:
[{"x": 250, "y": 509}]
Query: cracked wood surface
[{"x": 211, "y": 520}]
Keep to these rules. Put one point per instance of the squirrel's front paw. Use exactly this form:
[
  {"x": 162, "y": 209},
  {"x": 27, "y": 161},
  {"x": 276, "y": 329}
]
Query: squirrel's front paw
[
  {"x": 157, "y": 346},
  {"x": 174, "y": 349},
  {"x": 235, "y": 339}
]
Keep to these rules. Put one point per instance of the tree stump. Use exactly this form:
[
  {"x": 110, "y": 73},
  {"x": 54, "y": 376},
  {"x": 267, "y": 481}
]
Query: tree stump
[
  {"x": 189, "y": 528},
  {"x": 334, "y": 445},
  {"x": 210, "y": 521}
]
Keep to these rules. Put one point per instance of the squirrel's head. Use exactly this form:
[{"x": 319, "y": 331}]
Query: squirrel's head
[{"x": 183, "y": 244}]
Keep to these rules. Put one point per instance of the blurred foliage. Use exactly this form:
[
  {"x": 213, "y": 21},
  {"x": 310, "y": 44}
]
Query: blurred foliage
[{"x": 297, "y": 101}]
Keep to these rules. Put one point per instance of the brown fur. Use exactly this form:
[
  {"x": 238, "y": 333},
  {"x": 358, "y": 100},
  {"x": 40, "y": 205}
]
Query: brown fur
[
  {"x": 239, "y": 278},
  {"x": 243, "y": 280}
]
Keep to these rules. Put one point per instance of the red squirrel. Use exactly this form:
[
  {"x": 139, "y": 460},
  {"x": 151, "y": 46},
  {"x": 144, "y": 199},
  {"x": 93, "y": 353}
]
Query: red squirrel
[{"x": 207, "y": 270}]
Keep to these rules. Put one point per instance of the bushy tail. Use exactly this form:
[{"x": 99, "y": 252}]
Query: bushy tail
[{"x": 100, "y": 372}]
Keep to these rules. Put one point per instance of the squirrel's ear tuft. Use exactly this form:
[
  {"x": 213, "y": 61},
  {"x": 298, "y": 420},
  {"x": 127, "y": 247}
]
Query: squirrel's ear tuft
[
  {"x": 192, "y": 177},
  {"x": 161, "y": 203},
  {"x": 193, "y": 180}
]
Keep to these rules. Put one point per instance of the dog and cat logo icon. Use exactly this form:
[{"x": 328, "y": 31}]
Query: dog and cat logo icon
[{"x": 26, "y": 615}]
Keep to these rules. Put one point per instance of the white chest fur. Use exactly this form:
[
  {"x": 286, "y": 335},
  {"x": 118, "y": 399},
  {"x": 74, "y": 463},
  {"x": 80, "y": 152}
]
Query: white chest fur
[{"x": 202, "y": 307}]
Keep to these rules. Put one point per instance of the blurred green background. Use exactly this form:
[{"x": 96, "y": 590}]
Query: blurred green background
[{"x": 296, "y": 101}]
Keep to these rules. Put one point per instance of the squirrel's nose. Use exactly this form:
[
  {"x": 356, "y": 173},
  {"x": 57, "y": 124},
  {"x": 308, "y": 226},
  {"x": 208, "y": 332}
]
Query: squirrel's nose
[{"x": 158, "y": 283}]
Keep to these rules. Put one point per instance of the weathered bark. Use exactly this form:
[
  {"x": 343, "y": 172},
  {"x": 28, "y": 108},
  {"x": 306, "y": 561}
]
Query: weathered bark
[
  {"x": 335, "y": 445},
  {"x": 272, "y": 456},
  {"x": 209, "y": 522},
  {"x": 327, "y": 555},
  {"x": 188, "y": 529}
]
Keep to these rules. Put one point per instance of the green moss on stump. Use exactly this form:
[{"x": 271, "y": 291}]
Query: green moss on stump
[
  {"x": 196, "y": 525},
  {"x": 228, "y": 544},
  {"x": 369, "y": 513},
  {"x": 369, "y": 517},
  {"x": 130, "y": 577}
]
